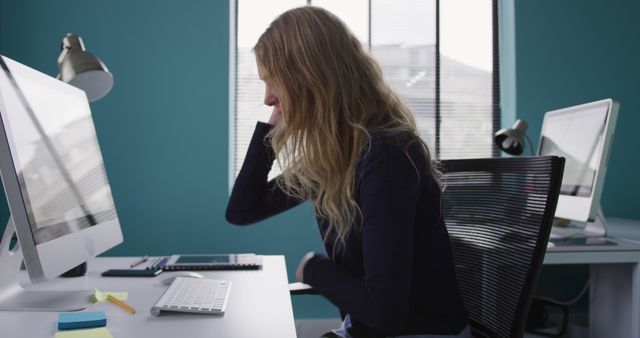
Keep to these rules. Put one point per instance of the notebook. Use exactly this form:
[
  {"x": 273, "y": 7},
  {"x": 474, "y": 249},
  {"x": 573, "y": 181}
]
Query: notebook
[{"x": 245, "y": 261}]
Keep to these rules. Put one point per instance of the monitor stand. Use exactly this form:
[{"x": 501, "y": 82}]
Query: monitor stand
[
  {"x": 13, "y": 297},
  {"x": 595, "y": 228}
]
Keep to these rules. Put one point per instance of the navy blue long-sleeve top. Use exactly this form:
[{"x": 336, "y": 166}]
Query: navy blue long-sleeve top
[{"x": 395, "y": 273}]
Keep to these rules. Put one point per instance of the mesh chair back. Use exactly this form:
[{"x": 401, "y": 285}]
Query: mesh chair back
[{"x": 499, "y": 213}]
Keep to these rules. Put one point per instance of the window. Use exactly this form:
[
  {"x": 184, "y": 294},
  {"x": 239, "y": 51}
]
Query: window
[{"x": 441, "y": 57}]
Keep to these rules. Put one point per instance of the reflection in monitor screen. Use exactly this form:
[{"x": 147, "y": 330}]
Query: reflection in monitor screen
[
  {"x": 579, "y": 139},
  {"x": 58, "y": 161}
]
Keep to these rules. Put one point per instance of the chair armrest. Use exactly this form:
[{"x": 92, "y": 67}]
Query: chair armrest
[{"x": 298, "y": 288}]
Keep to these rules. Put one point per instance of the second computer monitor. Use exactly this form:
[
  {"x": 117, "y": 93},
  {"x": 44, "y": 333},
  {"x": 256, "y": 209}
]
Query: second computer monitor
[{"x": 583, "y": 135}]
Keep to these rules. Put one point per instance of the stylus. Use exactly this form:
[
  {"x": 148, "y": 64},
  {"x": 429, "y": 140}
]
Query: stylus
[{"x": 139, "y": 261}]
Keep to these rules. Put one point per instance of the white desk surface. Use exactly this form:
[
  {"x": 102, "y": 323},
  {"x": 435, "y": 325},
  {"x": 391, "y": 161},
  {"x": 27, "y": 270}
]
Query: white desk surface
[
  {"x": 624, "y": 230},
  {"x": 259, "y": 305}
]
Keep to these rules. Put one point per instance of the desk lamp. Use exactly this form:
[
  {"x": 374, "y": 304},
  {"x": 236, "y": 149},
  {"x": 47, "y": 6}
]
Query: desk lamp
[
  {"x": 511, "y": 140},
  {"x": 81, "y": 69}
]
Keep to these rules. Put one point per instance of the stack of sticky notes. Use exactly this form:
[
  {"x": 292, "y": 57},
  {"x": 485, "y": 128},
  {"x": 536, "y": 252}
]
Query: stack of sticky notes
[
  {"x": 100, "y": 332},
  {"x": 82, "y": 324},
  {"x": 102, "y": 296},
  {"x": 81, "y": 320}
]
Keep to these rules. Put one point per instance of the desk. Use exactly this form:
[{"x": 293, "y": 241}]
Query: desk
[
  {"x": 259, "y": 305},
  {"x": 614, "y": 292}
]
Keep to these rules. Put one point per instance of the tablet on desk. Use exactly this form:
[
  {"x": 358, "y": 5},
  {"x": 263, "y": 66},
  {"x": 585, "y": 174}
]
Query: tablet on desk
[
  {"x": 246, "y": 261},
  {"x": 581, "y": 241}
]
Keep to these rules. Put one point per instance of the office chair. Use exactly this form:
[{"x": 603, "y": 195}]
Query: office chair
[{"x": 499, "y": 213}]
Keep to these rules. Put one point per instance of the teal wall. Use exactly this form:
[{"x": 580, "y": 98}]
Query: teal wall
[
  {"x": 575, "y": 51},
  {"x": 163, "y": 129}
]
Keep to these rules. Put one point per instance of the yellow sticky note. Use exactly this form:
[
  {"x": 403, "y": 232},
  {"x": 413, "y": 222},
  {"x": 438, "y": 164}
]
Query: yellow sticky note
[
  {"x": 101, "y": 296},
  {"x": 100, "y": 332}
]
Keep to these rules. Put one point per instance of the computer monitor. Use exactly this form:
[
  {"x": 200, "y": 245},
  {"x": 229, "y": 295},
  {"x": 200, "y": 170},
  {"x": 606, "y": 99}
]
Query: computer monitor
[
  {"x": 56, "y": 186},
  {"x": 583, "y": 135}
]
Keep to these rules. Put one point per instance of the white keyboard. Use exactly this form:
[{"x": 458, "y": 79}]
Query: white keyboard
[{"x": 197, "y": 295}]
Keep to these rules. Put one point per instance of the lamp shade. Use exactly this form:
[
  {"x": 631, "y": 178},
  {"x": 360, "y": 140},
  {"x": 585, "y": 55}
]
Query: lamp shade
[
  {"x": 82, "y": 69},
  {"x": 511, "y": 140}
]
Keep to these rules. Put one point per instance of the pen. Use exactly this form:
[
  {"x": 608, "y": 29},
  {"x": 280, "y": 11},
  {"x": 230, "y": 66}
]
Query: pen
[
  {"x": 121, "y": 304},
  {"x": 139, "y": 261}
]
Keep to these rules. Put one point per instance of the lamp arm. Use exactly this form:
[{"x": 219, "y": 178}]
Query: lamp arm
[{"x": 63, "y": 53}]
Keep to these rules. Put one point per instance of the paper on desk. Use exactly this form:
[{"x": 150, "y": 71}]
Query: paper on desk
[
  {"x": 100, "y": 332},
  {"x": 101, "y": 296}
]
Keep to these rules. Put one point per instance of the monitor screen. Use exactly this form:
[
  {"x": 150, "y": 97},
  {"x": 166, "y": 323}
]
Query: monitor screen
[
  {"x": 52, "y": 171},
  {"x": 56, "y": 157},
  {"x": 578, "y": 136},
  {"x": 583, "y": 135},
  {"x": 56, "y": 187}
]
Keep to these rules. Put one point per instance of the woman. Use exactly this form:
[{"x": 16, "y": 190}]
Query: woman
[{"x": 347, "y": 143}]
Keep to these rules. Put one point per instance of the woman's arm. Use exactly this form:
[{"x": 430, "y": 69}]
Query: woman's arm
[
  {"x": 388, "y": 197},
  {"x": 253, "y": 198}
]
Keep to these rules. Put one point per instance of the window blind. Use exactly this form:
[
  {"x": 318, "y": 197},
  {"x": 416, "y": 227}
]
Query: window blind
[{"x": 466, "y": 92}]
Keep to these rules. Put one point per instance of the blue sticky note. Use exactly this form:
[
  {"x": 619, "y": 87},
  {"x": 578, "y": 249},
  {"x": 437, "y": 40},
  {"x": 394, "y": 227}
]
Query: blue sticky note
[{"x": 80, "y": 320}]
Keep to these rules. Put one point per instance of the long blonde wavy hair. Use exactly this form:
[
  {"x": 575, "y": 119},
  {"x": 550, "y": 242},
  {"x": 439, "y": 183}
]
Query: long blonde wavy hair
[{"x": 332, "y": 96}]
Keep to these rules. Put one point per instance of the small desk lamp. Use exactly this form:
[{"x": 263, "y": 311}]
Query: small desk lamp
[
  {"x": 82, "y": 69},
  {"x": 511, "y": 140}
]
